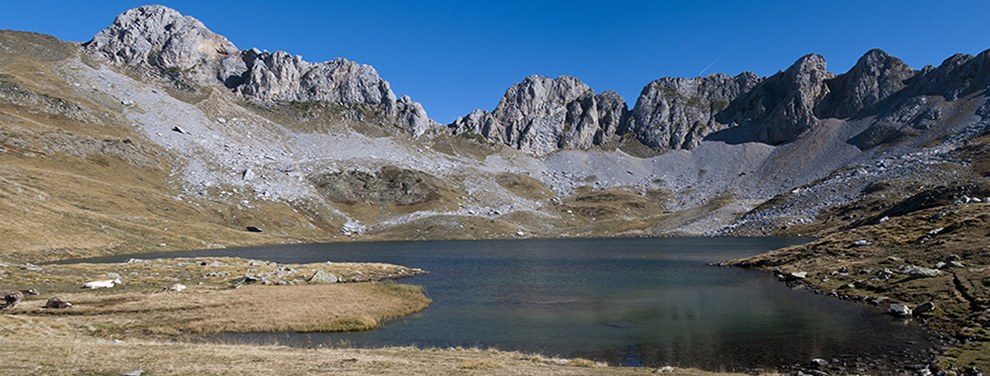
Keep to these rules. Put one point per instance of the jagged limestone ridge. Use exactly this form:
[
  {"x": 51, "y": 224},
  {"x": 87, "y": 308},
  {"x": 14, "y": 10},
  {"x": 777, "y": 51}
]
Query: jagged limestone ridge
[
  {"x": 678, "y": 113},
  {"x": 540, "y": 115},
  {"x": 166, "y": 43}
]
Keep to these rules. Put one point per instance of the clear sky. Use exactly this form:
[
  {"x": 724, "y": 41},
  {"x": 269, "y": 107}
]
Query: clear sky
[{"x": 456, "y": 56}]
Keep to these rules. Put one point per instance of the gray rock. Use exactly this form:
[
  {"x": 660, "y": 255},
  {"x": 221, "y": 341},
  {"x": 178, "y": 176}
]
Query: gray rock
[
  {"x": 281, "y": 77},
  {"x": 57, "y": 303},
  {"x": 924, "y": 308},
  {"x": 920, "y": 272},
  {"x": 323, "y": 277},
  {"x": 899, "y": 310},
  {"x": 540, "y": 115},
  {"x": 161, "y": 39},
  {"x": 819, "y": 363},
  {"x": 677, "y": 113},
  {"x": 782, "y": 107},
  {"x": 180, "y": 48},
  {"x": 795, "y": 276},
  {"x": 862, "y": 242},
  {"x": 876, "y": 76},
  {"x": 956, "y": 264},
  {"x": 883, "y": 275}
]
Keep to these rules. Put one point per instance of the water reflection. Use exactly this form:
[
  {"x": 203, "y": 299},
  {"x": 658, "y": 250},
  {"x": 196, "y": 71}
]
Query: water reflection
[{"x": 649, "y": 302}]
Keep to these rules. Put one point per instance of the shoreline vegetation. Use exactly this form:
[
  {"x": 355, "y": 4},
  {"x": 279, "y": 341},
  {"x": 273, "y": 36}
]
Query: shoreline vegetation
[
  {"x": 930, "y": 265},
  {"x": 141, "y": 325}
]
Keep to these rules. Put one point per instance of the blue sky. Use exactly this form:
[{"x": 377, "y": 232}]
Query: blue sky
[{"x": 455, "y": 56}]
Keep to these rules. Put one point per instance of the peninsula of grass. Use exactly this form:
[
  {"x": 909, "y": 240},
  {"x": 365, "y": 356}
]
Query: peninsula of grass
[{"x": 222, "y": 295}]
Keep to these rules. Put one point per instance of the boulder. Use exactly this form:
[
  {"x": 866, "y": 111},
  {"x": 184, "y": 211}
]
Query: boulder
[
  {"x": 920, "y": 272},
  {"x": 253, "y": 229},
  {"x": 793, "y": 276},
  {"x": 323, "y": 277},
  {"x": 57, "y": 303},
  {"x": 899, "y": 310},
  {"x": 819, "y": 363},
  {"x": 924, "y": 308}
]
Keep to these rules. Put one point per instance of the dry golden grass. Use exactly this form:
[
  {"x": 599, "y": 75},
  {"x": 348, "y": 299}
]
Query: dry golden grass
[
  {"x": 199, "y": 310},
  {"x": 211, "y": 304},
  {"x": 44, "y": 346},
  {"x": 524, "y": 186},
  {"x": 959, "y": 293}
]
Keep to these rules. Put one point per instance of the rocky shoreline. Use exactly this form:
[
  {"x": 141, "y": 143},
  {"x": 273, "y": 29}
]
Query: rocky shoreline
[{"x": 912, "y": 361}]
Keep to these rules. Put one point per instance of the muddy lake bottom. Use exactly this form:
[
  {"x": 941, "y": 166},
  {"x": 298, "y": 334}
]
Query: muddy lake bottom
[{"x": 647, "y": 302}]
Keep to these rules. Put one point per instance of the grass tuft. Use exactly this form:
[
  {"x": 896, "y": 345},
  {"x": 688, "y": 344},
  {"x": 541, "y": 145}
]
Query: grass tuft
[{"x": 481, "y": 365}]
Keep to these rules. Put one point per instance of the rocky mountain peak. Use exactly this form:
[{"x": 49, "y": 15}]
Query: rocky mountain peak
[
  {"x": 178, "y": 47},
  {"x": 781, "y": 107},
  {"x": 876, "y": 76},
  {"x": 958, "y": 76},
  {"x": 540, "y": 115},
  {"x": 159, "y": 37},
  {"x": 677, "y": 113}
]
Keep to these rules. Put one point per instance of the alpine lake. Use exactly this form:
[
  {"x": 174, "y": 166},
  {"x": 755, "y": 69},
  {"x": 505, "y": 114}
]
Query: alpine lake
[{"x": 645, "y": 302}]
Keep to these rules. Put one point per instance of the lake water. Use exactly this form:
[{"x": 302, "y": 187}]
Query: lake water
[{"x": 634, "y": 302}]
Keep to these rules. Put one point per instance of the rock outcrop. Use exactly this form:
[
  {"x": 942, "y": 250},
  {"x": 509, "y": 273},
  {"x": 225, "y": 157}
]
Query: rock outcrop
[
  {"x": 876, "y": 76},
  {"x": 540, "y": 115},
  {"x": 924, "y": 98},
  {"x": 781, "y": 107},
  {"x": 678, "y": 113},
  {"x": 162, "y": 39},
  {"x": 164, "y": 42}
]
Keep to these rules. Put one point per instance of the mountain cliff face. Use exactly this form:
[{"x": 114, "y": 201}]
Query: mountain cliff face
[
  {"x": 876, "y": 76},
  {"x": 540, "y": 115},
  {"x": 678, "y": 113},
  {"x": 161, "y": 41},
  {"x": 670, "y": 113},
  {"x": 311, "y": 150}
]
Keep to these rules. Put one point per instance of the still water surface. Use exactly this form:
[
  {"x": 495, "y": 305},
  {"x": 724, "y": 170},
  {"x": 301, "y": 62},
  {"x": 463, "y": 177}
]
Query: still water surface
[{"x": 634, "y": 302}]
